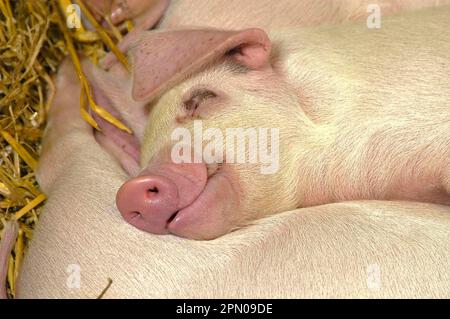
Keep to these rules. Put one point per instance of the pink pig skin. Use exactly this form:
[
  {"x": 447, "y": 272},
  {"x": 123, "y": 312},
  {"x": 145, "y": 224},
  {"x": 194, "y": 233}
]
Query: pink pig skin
[
  {"x": 269, "y": 14},
  {"x": 266, "y": 14},
  {"x": 379, "y": 115},
  {"x": 331, "y": 149}
]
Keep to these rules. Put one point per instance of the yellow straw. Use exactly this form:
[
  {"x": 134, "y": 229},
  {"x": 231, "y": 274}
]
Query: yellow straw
[
  {"x": 23, "y": 153},
  {"x": 86, "y": 89},
  {"x": 29, "y": 206}
]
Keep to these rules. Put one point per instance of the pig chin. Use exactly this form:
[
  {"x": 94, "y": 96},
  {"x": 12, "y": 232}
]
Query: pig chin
[
  {"x": 179, "y": 199},
  {"x": 208, "y": 216}
]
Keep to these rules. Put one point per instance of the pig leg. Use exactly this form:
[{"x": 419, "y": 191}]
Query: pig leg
[
  {"x": 7, "y": 242},
  {"x": 146, "y": 13},
  {"x": 67, "y": 132},
  {"x": 111, "y": 90},
  {"x": 64, "y": 122},
  {"x": 122, "y": 145}
]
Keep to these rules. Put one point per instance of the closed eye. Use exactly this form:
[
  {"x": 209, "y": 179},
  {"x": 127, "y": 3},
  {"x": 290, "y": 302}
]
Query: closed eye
[
  {"x": 200, "y": 103},
  {"x": 196, "y": 98}
]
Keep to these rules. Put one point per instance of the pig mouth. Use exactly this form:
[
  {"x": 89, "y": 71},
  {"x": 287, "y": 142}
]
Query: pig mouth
[
  {"x": 171, "y": 218},
  {"x": 205, "y": 216}
]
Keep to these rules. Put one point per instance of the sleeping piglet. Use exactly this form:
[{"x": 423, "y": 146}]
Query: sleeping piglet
[{"x": 358, "y": 113}]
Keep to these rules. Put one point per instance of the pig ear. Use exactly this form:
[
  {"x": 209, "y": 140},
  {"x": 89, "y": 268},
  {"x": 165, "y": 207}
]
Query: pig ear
[{"x": 161, "y": 59}]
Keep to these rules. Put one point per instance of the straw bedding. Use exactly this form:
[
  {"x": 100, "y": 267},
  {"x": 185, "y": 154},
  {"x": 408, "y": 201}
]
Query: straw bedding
[{"x": 34, "y": 39}]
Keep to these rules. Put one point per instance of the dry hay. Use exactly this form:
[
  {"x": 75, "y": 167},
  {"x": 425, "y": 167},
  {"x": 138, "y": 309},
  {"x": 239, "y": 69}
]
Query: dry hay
[{"x": 33, "y": 42}]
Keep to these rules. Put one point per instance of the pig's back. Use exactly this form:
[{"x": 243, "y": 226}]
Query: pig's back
[
  {"x": 269, "y": 14},
  {"x": 233, "y": 14},
  {"x": 400, "y": 70}
]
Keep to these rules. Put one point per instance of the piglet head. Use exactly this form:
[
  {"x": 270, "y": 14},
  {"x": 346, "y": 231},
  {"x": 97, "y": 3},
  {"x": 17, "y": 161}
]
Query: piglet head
[{"x": 212, "y": 145}]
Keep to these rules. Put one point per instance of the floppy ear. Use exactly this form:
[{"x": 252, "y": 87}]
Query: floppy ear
[{"x": 161, "y": 59}]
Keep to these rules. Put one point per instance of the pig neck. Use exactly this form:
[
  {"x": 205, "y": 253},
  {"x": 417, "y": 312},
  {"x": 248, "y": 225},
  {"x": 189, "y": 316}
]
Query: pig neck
[
  {"x": 369, "y": 94},
  {"x": 317, "y": 89}
]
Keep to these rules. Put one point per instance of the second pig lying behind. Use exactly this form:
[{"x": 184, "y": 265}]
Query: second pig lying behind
[{"x": 361, "y": 114}]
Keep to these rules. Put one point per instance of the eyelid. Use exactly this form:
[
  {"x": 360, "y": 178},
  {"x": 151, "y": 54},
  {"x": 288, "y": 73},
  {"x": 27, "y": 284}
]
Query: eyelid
[{"x": 196, "y": 97}]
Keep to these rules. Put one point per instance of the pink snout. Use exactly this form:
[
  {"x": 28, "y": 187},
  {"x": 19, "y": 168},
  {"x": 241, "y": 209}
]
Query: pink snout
[
  {"x": 152, "y": 200},
  {"x": 148, "y": 202}
]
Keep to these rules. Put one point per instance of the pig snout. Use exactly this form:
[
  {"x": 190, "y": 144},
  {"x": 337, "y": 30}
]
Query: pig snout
[
  {"x": 152, "y": 200},
  {"x": 148, "y": 202}
]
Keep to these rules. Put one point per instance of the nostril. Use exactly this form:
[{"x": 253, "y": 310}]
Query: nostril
[{"x": 153, "y": 190}]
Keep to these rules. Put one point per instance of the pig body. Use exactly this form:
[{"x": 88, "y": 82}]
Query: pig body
[
  {"x": 287, "y": 255},
  {"x": 270, "y": 15},
  {"x": 358, "y": 119},
  {"x": 377, "y": 125},
  {"x": 266, "y": 14}
]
